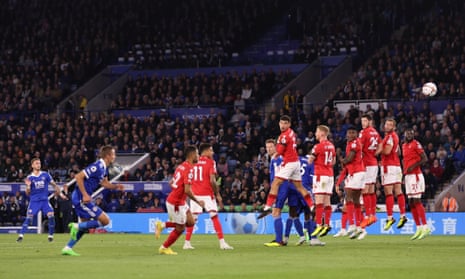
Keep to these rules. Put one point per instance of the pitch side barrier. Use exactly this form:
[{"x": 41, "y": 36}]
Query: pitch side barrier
[{"x": 247, "y": 223}]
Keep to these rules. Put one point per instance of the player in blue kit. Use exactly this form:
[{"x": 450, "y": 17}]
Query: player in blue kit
[
  {"x": 287, "y": 191},
  {"x": 87, "y": 181},
  {"x": 37, "y": 188}
]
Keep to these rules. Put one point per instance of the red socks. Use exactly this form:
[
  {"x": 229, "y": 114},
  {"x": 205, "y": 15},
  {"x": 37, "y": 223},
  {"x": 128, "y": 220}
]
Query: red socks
[
  {"x": 174, "y": 235},
  {"x": 389, "y": 204},
  {"x": 217, "y": 226}
]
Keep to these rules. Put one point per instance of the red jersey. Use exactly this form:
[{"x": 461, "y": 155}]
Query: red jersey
[
  {"x": 370, "y": 139},
  {"x": 412, "y": 153},
  {"x": 201, "y": 182},
  {"x": 286, "y": 146},
  {"x": 182, "y": 175},
  {"x": 324, "y": 153},
  {"x": 356, "y": 165},
  {"x": 391, "y": 159}
]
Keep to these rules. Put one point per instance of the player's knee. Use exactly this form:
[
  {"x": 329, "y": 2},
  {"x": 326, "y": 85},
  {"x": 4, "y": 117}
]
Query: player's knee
[{"x": 104, "y": 220}]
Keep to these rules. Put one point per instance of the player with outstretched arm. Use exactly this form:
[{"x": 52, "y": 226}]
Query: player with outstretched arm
[
  {"x": 37, "y": 188},
  {"x": 90, "y": 215}
]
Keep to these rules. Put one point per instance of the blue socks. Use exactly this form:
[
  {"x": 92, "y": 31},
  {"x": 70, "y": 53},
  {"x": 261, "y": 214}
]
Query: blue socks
[
  {"x": 89, "y": 225},
  {"x": 278, "y": 229},
  {"x": 51, "y": 225},
  {"x": 287, "y": 231},
  {"x": 26, "y": 223},
  {"x": 298, "y": 227}
]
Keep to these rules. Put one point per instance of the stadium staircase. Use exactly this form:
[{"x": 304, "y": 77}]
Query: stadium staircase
[{"x": 274, "y": 47}]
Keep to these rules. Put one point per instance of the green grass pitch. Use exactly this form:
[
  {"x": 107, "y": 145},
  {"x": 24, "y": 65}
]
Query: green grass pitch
[{"x": 136, "y": 256}]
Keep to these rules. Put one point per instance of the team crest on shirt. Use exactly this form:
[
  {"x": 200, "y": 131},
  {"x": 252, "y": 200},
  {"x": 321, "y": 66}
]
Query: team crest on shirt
[
  {"x": 283, "y": 140},
  {"x": 93, "y": 169}
]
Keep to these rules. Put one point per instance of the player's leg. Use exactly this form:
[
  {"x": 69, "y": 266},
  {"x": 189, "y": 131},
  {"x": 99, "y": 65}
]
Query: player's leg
[
  {"x": 294, "y": 210},
  {"x": 47, "y": 209},
  {"x": 278, "y": 225},
  {"x": 32, "y": 210},
  {"x": 304, "y": 192},
  {"x": 212, "y": 208},
  {"x": 401, "y": 202},
  {"x": 319, "y": 207},
  {"x": 367, "y": 204},
  {"x": 343, "y": 231},
  {"x": 350, "y": 209},
  {"x": 388, "y": 193},
  {"x": 272, "y": 195},
  {"x": 181, "y": 217},
  {"x": 372, "y": 195},
  {"x": 76, "y": 235},
  {"x": 328, "y": 210},
  {"x": 196, "y": 210},
  {"x": 360, "y": 233}
]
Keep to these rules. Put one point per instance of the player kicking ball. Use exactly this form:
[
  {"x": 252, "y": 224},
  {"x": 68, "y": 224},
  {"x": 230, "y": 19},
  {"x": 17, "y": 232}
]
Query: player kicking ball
[{"x": 90, "y": 215}]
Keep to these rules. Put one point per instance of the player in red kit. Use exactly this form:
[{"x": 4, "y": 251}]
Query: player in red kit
[
  {"x": 370, "y": 140},
  {"x": 414, "y": 157},
  {"x": 290, "y": 167},
  {"x": 205, "y": 189},
  {"x": 391, "y": 173},
  {"x": 324, "y": 157},
  {"x": 178, "y": 211},
  {"x": 354, "y": 183}
]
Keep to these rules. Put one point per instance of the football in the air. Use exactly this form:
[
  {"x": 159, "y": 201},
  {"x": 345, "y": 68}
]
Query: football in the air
[{"x": 429, "y": 89}]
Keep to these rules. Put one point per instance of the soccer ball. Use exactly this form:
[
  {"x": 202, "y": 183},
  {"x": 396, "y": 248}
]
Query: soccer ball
[
  {"x": 244, "y": 223},
  {"x": 429, "y": 89}
]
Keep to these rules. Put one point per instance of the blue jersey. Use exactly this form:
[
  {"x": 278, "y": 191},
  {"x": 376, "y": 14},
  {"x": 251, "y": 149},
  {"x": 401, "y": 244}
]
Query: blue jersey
[
  {"x": 275, "y": 163},
  {"x": 287, "y": 190},
  {"x": 39, "y": 186},
  {"x": 95, "y": 173},
  {"x": 307, "y": 171}
]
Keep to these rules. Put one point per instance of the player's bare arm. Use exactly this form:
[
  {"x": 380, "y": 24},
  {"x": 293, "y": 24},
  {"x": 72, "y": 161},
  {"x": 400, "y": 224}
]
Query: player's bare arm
[
  {"x": 105, "y": 183},
  {"x": 216, "y": 190},
  {"x": 421, "y": 162},
  {"x": 348, "y": 158},
  {"x": 27, "y": 181},
  {"x": 386, "y": 149},
  {"x": 188, "y": 191},
  {"x": 311, "y": 158},
  {"x": 80, "y": 183}
]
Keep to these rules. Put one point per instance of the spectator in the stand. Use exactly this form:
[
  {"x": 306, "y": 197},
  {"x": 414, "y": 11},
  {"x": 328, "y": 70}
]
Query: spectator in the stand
[
  {"x": 4, "y": 218},
  {"x": 449, "y": 203},
  {"x": 437, "y": 170},
  {"x": 431, "y": 184},
  {"x": 122, "y": 205},
  {"x": 459, "y": 159},
  {"x": 14, "y": 210}
]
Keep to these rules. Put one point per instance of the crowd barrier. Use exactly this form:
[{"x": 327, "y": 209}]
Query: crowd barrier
[{"x": 247, "y": 223}]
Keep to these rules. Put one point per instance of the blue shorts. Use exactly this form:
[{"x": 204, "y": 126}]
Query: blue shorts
[
  {"x": 282, "y": 195},
  {"x": 36, "y": 206},
  {"x": 87, "y": 210}
]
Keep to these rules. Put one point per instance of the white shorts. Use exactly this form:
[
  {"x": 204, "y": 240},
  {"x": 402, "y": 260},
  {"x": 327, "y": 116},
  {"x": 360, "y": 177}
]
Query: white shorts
[
  {"x": 290, "y": 171},
  {"x": 371, "y": 174},
  {"x": 391, "y": 175},
  {"x": 210, "y": 205},
  {"x": 177, "y": 214},
  {"x": 414, "y": 185},
  {"x": 355, "y": 181},
  {"x": 323, "y": 185}
]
